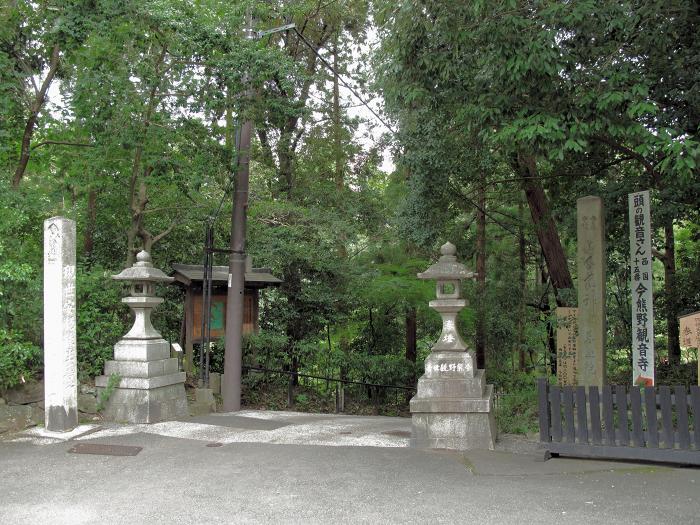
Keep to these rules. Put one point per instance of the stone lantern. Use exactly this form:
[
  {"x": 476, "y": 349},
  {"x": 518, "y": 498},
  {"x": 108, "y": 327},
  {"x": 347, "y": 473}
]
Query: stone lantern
[
  {"x": 151, "y": 388},
  {"x": 453, "y": 407}
]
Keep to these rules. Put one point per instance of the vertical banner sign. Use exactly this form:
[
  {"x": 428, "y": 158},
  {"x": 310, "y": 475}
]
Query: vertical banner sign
[
  {"x": 567, "y": 346},
  {"x": 641, "y": 279}
]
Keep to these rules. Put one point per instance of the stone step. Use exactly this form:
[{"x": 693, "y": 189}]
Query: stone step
[
  {"x": 137, "y": 405},
  {"x": 454, "y": 405},
  {"x": 143, "y": 383},
  {"x": 457, "y": 388},
  {"x": 155, "y": 368},
  {"x": 144, "y": 350}
]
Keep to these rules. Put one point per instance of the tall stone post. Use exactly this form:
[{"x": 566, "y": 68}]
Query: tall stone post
[
  {"x": 590, "y": 265},
  {"x": 453, "y": 408},
  {"x": 60, "y": 354}
]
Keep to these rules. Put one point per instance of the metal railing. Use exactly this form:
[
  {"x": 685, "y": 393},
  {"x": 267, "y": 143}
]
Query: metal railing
[{"x": 375, "y": 394}]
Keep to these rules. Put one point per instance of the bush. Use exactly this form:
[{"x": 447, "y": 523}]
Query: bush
[
  {"x": 516, "y": 411},
  {"x": 19, "y": 360},
  {"x": 381, "y": 369},
  {"x": 102, "y": 320}
]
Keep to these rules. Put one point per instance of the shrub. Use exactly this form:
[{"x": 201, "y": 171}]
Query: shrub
[
  {"x": 102, "y": 320},
  {"x": 19, "y": 360},
  {"x": 516, "y": 412}
]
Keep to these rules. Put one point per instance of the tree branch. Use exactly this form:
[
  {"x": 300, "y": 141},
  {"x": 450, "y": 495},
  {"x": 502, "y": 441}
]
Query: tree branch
[
  {"x": 34, "y": 116},
  {"x": 165, "y": 232},
  {"x": 61, "y": 143},
  {"x": 648, "y": 165},
  {"x": 659, "y": 255}
]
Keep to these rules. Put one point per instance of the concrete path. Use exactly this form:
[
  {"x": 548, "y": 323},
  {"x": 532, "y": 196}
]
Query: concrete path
[{"x": 272, "y": 467}]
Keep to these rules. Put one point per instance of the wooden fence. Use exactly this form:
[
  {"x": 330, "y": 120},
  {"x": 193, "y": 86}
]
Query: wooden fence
[{"x": 639, "y": 424}]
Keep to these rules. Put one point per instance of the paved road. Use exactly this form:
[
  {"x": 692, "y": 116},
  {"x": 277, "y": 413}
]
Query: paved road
[{"x": 299, "y": 468}]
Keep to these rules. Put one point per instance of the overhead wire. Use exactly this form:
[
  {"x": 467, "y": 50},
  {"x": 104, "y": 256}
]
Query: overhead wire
[{"x": 342, "y": 80}]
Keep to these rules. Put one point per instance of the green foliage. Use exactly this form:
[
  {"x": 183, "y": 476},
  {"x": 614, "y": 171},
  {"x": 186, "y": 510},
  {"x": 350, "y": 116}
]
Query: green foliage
[
  {"x": 301, "y": 401},
  {"x": 101, "y": 322},
  {"x": 139, "y": 149},
  {"x": 266, "y": 349},
  {"x": 106, "y": 393},
  {"x": 516, "y": 410},
  {"x": 382, "y": 369},
  {"x": 21, "y": 217},
  {"x": 19, "y": 360}
]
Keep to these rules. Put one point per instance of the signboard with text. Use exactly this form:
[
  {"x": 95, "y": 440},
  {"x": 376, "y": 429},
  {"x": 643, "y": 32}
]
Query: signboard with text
[
  {"x": 641, "y": 285},
  {"x": 690, "y": 330},
  {"x": 567, "y": 346}
]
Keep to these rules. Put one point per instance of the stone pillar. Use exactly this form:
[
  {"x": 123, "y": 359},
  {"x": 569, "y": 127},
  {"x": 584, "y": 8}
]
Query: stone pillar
[
  {"x": 60, "y": 353},
  {"x": 590, "y": 266},
  {"x": 453, "y": 407}
]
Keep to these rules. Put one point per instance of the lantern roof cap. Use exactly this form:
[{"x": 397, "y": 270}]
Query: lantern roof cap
[
  {"x": 143, "y": 270},
  {"x": 447, "y": 267}
]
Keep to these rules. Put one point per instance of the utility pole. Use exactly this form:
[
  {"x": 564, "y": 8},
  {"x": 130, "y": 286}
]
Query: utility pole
[{"x": 233, "y": 356}]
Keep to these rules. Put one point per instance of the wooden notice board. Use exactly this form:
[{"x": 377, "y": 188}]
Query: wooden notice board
[
  {"x": 218, "y": 315},
  {"x": 567, "y": 346},
  {"x": 690, "y": 330}
]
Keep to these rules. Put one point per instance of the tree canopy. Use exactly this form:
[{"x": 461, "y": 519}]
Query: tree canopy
[{"x": 125, "y": 115}]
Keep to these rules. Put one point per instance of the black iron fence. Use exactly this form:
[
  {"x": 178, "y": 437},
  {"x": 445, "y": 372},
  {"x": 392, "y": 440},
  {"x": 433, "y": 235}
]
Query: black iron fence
[
  {"x": 345, "y": 393},
  {"x": 642, "y": 423}
]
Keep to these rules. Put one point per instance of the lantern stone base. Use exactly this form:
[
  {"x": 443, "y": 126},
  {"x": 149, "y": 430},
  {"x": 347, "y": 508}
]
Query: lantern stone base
[
  {"x": 453, "y": 407},
  {"x": 150, "y": 389},
  {"x": 454, "y": 431}
]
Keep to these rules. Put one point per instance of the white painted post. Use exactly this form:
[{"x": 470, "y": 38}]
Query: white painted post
[
  {"x": 641, "y": 281},
  {"x": 60, "y": 354}
]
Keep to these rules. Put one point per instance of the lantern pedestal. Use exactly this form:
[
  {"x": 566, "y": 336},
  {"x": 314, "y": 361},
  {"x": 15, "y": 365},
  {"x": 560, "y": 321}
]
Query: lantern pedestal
[
  {"x": 453, "y": 407},
  {"x": 151, "y": 387}
]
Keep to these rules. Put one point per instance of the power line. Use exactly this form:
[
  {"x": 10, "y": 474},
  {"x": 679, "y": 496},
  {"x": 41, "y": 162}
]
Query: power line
[{"x": 342, "y": 80}]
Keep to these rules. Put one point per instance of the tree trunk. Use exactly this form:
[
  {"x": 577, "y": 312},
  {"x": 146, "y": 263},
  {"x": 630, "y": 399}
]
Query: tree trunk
[
  {"x": 337, "y": 145},
  {"x": 411, "y": 336},
  {"x": 480, "y": 342},
  {"x": 137, "y": 186},
  {"x": 551, "y": 346},
  {"x": 546, "y": 229},
  {"x": 89, "y": 242},
  {"x": 137, "y": 204},
  {"x": 523, "y": 288},
  {"x": 669, "y": 260},
  {"x": 34, "y": 116}
]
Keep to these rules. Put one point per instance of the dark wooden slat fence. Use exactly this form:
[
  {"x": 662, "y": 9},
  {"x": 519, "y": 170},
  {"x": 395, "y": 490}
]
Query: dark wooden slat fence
[{"x": 664, "y": 425}]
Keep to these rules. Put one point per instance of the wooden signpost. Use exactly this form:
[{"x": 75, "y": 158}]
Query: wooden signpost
[
  {"x": 641, "y": 285},
  {"x": 690, "y": 334},
  {"x": 567, "y": 346}
]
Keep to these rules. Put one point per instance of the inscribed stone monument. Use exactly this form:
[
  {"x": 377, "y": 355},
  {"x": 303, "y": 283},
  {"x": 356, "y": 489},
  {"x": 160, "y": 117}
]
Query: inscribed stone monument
[
  {"x": 60, "y": 357},
  {"x": 567, "y": 346},
  {"x": 453, "y": 407},
  {"x": 590, "y": 265}
]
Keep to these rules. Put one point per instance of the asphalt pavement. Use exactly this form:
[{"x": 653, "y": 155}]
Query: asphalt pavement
[{"x": 285, "y": 467}]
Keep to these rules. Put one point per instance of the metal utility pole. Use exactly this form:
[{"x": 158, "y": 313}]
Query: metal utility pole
[{"x": 233, "y": 356}]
